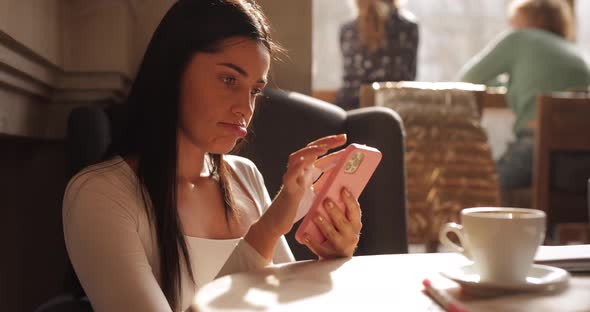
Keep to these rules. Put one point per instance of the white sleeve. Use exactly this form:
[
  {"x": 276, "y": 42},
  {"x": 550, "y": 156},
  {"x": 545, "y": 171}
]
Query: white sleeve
[
  {"x": 243, "y": 258},
  {"x": 282, "y": 251},
  {"x": 106, "y": 251},
  {"x": 246, "y": 258}
]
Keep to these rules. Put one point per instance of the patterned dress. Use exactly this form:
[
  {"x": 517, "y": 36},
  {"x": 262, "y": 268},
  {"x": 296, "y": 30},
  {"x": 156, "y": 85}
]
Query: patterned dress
[{"x": 396, "y": 61}]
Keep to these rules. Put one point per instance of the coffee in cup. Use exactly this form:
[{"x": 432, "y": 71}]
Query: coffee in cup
[{"x": 502, "y": 242}]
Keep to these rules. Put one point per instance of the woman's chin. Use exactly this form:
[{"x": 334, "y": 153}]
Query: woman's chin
[{"x": 223, "y": 148}]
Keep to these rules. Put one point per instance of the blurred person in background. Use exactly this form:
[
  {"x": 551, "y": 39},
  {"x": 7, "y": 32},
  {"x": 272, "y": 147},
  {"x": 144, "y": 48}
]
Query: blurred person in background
[
  {"x": 538, "y": 55},
  {"x": 381, "y": 44}
]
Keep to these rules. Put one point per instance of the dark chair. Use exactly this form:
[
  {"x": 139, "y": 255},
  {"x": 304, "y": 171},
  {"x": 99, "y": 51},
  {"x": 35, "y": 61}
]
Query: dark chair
[
  {"x": 562, "y": 165},
  {"x": 285, "y": 122}
]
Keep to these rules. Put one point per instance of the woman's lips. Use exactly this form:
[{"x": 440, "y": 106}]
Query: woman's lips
[{"x": 236, "y": 129}]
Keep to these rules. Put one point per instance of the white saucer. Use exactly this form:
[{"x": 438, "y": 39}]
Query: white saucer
[{"x": 540, "y": 277}]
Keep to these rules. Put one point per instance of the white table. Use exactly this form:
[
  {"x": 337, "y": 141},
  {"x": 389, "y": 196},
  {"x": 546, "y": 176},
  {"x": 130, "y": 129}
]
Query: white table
[{"x": 367, "y": 283}]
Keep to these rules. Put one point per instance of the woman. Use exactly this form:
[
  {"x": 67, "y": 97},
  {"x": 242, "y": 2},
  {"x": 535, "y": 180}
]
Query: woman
[
  {"x": 171, "y": 211},
  {"x": 380, "y": 45},
  {"x": 538, "y": 56}
]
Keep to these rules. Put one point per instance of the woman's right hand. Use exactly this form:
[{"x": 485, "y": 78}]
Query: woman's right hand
[
  {"x": 298, "y": 179},
  {"x": 278, "y": 219}
]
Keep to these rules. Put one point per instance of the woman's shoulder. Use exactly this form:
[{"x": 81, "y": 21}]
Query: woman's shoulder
[
  {"x": 348, "y": 29},
  {"x": 240, "y": 165},
  {"x": 112, "y": 177},
  {"x": 247, "y": 173},
  {"x": 528, "y": 35},
  {"x": 349, "y": 25},
  {"x": 523, "y": 33},
  {"x": 509, "y": 39},
  {"x": 528, "y": 39},
  {"x": 405, "y": 16}
]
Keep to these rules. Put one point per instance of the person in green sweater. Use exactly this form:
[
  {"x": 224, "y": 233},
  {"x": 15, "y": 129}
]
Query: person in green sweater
[{"x": 538, "y": 56}]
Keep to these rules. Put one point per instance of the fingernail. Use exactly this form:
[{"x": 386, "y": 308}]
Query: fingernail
[
  {"x": 320, "y": 219},
  {"x": 347, "y": 193},
  {"x": 306, "y": 238},
  {"x": 329, "y": 204},
  {"x": 343, "y": 135}
]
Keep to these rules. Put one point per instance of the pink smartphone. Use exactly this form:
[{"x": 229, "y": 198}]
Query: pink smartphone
[{"x": 351, "y": 168}]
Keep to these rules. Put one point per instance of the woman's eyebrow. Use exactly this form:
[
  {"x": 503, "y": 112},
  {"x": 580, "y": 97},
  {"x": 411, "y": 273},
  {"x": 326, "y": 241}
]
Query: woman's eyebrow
[{"x": 240, "y": 70}]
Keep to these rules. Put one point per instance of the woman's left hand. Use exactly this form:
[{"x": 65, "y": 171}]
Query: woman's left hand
[{"x": 341, "y": 231}]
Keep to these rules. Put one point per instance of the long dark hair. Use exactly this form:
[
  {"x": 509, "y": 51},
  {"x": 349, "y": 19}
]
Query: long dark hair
[{"x": 190, "y": 26}]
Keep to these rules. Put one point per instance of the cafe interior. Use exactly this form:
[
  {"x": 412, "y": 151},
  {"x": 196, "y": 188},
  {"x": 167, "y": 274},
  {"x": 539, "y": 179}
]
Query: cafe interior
[{"x": 66, "y": 67}]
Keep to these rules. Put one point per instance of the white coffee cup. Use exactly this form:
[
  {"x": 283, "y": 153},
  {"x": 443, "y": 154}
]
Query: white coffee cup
[{"x": 502, "y": 242}]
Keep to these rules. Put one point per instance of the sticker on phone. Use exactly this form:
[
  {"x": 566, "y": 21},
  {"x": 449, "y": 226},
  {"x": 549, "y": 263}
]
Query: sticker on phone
[{"x": 354, "y": 162}]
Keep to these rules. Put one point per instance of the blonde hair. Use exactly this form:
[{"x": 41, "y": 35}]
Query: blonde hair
[
  {"x": 555, "y": 16},
  {"x": 371, "y": 22}
]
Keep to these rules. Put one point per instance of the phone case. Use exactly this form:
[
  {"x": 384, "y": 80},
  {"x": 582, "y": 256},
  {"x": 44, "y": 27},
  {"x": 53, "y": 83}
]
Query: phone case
[{"x": 352, "y": 169}]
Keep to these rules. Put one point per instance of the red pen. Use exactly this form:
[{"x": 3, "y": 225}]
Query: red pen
[{"x": 442, "y": 298}]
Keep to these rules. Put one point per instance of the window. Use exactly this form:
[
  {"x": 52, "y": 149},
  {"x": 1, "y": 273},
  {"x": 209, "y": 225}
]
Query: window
[{"x": 451, "y": 31}]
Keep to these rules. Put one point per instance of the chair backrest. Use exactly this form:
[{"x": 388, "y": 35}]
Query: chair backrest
[{"x": 562, "y": 157}]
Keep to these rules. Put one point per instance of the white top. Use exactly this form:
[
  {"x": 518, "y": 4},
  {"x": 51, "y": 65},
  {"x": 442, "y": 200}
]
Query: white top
[
  {"x": 113, "y": 248},
  {"x": 206, "y": 265}
]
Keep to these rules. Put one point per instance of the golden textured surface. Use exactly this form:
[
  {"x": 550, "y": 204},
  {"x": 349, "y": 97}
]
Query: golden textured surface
[{"x": 449, "y": 164}]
